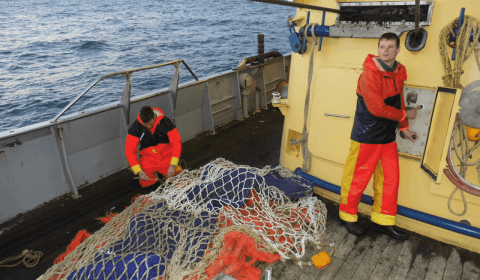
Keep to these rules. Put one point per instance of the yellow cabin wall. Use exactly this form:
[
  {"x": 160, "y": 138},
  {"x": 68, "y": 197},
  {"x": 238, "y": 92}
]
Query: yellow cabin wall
[{"x": 346, "y": 55}]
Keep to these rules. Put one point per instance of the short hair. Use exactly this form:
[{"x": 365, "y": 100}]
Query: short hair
[
  {"x": 390, "y": 36},
  {"x": 146, "y": 114}
]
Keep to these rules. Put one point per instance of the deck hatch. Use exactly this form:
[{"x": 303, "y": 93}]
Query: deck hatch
[
  {"x": 439, "y": 133},
  {"x": 385, "y": 13}
]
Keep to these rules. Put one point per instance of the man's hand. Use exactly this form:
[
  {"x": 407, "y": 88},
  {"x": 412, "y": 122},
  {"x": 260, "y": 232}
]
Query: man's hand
[
  {"x": 412, "y": 113},
  {"x": 143, "y": 176},
  {"x": 410, "y": 134},
  {"x": 170, "y": 172}
]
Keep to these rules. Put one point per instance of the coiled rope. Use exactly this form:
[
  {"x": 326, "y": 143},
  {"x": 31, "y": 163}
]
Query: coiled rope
[
  {"x": 463, "y": 48},
  {"x": 451, "y": 78},
  {"x": 28, "y": 257},
  {"x": 307, "y": 157}
]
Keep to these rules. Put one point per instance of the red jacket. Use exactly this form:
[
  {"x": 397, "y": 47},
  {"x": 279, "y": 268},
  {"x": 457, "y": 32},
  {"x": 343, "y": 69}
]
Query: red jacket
[
  {"x": 380, "y": 104},
  {"x": 163, "y": 132}
]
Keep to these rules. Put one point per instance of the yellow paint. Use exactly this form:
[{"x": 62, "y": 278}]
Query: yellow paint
[
  {"x": 441, "y": 126},
  {"x": 337, "y": 68},
  {"x": 293, "y": 150}
]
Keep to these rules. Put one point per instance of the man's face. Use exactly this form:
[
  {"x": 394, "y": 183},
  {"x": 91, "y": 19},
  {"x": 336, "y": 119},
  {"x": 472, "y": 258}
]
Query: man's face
[
  {"x": 387, "y": 50},
  {"x": 149, "y": 124}
]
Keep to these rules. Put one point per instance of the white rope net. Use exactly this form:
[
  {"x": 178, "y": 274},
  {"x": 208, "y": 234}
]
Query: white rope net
[{"x": 177, "y": 231}]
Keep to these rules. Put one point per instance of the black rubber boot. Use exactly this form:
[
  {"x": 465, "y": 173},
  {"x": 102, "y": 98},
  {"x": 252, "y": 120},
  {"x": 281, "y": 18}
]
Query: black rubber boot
[
  {"x": 391, "y": 231},
  {"x": 353, "y": 228}
]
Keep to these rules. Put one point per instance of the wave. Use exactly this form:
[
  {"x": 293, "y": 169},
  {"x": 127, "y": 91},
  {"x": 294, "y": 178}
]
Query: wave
[{"x": 92, "y": 46}]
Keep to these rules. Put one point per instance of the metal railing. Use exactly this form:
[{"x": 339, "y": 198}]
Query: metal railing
[
  {"x": 124, "y": 104},
  {"x": 126, "y": 74}
]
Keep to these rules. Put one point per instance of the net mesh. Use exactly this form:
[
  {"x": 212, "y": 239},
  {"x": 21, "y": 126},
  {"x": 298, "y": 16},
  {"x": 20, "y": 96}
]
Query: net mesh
[{"x": 177, "y": 231}]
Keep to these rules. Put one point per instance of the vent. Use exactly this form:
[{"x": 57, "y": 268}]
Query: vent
[{"x": 384, "y": 13}]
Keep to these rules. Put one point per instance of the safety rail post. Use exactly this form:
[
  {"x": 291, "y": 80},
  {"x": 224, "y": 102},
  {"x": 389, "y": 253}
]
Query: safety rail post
[
  {"x": 125, "y": 99},
  {"x": 173, "y": 89}
]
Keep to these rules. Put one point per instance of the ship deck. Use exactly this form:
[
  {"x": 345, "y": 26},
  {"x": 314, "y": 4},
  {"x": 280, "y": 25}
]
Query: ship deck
[{"x": 255, "y": 141}]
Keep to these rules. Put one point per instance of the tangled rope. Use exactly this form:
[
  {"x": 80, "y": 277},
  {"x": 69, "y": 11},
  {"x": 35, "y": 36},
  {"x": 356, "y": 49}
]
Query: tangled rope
[
  {"x": 28, "y": 257},
  {"x": 307, "y": 157},
  {"x": 464, "y": 48}
]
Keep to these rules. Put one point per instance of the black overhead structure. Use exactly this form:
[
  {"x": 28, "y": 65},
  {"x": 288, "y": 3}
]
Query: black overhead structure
[{"x": 299, "y": 5}]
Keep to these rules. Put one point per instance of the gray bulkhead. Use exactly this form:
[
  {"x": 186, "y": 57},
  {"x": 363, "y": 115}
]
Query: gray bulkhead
[{"x": 41, "y": 162}]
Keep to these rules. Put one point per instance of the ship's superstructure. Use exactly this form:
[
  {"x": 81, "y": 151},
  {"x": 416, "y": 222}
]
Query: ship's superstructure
[{"x": 440, "y": 58}]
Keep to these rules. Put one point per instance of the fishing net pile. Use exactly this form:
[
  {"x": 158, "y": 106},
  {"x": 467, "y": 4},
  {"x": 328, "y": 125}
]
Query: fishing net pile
[{"x": 179, "y": 230}]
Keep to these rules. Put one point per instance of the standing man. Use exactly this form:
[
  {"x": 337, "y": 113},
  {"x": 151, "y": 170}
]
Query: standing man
[
  {"x": 380, "y": 110},
  {"x": 160, "y": 146}
]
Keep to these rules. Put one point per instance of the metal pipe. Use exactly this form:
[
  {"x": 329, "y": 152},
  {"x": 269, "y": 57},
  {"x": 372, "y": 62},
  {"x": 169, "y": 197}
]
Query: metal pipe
[
  {"x": 245, "y": 103},
  {"x": 257, "y": 100},
  {"x": 152, "y": 67},
  {"x": 65, "y": 160},
  {"x": 252, "y": 59},
  {"x": 299, "y": 5},
  {"x": 75, "y": 100},
  {"x": 401, "y": 210},
  {"x": 260, "y": 48},
  {"x": 320, "y": 40},
  {"x": 320, "y": 31}
]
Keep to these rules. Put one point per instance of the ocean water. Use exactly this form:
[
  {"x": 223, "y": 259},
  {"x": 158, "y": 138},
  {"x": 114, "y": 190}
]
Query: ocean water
[{"x": 51, "y": 51}]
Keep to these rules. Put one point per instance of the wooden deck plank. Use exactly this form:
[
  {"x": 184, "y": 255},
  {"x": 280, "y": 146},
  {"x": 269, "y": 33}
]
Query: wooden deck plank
[
  {"x": 337, "y": 238},
  {"x": 289, "y": 268},
  {"x": 258, "y": 146},
  {"x": 454, "y": 267},
  {"x": 373, "y": 255},
  {"x": 356, "y": 256},
  {"x": 387, "y": 260},
  {"x": 334, "y": 235},
  {"x": 404, "y": 259},
  {"x": 278, "y": 270},
  {"x": 471, "y": 266},
  {"x": 418, "y": 268},
  {"x": 423, "y": 255},
  {"x": 438, "y": 262},
  {"x": 343, "y": 250}
]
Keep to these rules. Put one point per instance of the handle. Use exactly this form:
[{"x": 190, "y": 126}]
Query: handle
[{"x": 338, "y": 116}]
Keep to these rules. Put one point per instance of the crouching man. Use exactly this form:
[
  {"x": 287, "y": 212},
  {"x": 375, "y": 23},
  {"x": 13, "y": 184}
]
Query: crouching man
[{"x": 160, "y": 146}]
